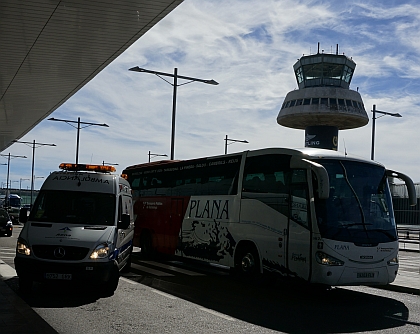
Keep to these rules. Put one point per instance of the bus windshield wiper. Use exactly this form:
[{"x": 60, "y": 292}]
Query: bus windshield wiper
[{"x": 392, "y": 237}]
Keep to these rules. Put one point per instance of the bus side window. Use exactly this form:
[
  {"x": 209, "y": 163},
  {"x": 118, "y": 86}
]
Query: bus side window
[
  {"x": 266, "y": 174},
  {"x": 299, "y": 197}
]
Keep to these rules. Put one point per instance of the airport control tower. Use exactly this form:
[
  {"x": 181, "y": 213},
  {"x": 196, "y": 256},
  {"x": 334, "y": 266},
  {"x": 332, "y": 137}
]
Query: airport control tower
[{"x": 324, "y": 103}]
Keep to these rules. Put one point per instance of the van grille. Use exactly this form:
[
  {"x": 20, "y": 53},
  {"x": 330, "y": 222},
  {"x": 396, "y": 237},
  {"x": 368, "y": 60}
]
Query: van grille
[{"x": 58, "y": 252}]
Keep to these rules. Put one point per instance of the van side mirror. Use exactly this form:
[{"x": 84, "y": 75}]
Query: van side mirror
[
  {"x": 23, "y": 215},
  {"x": 124, "y": 223}
]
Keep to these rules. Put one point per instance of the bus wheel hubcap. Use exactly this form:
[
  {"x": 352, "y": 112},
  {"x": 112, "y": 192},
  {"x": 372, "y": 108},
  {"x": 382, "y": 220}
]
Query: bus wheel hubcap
[{"x": 248, "y": 263}]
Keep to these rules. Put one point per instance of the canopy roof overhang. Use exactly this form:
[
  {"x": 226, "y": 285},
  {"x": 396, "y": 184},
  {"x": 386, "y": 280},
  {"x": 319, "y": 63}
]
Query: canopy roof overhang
[{"x": 49, "y": 49}]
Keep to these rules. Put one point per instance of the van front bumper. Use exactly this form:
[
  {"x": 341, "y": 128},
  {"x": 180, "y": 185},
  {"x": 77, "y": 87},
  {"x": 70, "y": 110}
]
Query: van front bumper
[{"x": 37, "y": 270}]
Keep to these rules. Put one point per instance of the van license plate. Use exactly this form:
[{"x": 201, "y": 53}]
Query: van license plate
[
  {"x": 58, "y": 276},
  {"x": 365, "y": 275}
]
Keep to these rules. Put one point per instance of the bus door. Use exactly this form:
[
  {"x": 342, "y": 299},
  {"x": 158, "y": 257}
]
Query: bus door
[
  {"x": 174, "y": 224},
  {"x": 298, "y": 231}
]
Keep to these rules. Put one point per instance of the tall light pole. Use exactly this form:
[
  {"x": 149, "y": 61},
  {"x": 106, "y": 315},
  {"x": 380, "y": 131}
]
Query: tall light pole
[
  {"x": 233, "y": 141},
  {"x": 175, "y": 85},
  {"x": 153, "y": 155},
  {"x": 20, "y": 186},
  {"x": 383, "y": 113},
  {"x": 78, "y": 122},
  {"x": 9, "y": 156},
  {"x": 34, "y": 145}
]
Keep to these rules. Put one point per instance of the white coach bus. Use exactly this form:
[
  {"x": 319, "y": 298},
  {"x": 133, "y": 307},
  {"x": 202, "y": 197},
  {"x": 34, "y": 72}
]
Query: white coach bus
[{"x": 316, "y": 215}]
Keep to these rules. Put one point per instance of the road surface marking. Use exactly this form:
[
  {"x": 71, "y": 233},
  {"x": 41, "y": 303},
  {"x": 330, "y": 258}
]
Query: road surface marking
[
  {"x": 150, "y": 270},
  {"x": 221, "y": 315}
]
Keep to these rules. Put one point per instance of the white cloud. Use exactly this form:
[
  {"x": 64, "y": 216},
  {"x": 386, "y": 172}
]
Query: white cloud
[{"x": 249, "y": 47}]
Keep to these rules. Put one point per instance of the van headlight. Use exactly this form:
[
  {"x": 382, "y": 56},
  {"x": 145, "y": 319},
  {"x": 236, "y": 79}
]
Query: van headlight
[
  {"x": 101, "y": 251},
  {"x": 393, "y": 262},
  {"x": 327, "y": 260},
  {"x": 22, "y": 247}
]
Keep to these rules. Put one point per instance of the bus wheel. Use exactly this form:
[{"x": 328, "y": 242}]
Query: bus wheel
[
  {"x": 146, "y": 244},
  {"x": 248, "y": 262}
]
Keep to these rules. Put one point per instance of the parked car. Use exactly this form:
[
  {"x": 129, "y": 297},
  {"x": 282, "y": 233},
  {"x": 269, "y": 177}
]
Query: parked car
[{"x": 6, "y": 225}]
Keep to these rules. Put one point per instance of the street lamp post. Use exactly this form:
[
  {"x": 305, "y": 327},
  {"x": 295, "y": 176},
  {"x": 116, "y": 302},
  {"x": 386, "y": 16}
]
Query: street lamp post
[
  {"x": 78, "y": 122},
  {"x": 37, "y": 177},
  {"x": 175, "y": 85},
  {"x": 20, "y": 186},
  {"x": 33, "y": 143},
  {"x": 8, "y": 172},
  {"x": 383, "y": 113},
  {"x": 153, "y": 155},
  {"x": 233, "y": 141}
]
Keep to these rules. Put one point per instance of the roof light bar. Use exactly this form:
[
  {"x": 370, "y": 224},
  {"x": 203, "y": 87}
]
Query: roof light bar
[{"x": 84, "y": 167}]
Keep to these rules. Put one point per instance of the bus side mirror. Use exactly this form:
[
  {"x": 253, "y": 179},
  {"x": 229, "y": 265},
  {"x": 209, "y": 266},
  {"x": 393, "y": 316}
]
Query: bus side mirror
[
  {"x": 23, "y": 215},
  {"x": 320, "y": 172},
  {"x": 124, "y": 223},
  {"x": 408, "y": 183}
]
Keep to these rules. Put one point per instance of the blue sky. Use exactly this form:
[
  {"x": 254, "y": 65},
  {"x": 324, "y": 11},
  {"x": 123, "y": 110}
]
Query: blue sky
[{"x": 249, "y": 47}]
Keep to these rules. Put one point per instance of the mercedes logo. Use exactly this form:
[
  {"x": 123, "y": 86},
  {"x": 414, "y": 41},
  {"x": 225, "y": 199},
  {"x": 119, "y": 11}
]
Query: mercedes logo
[{"x": 59, "y": 252}]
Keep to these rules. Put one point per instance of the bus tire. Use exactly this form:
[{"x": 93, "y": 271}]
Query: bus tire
[
  {"x": 146, "y": 244},
  {"x": 247, "y": 262}
]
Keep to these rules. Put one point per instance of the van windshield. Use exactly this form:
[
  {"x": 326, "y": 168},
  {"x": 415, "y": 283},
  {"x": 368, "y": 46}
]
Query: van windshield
[{"x": 74, "y": 207}]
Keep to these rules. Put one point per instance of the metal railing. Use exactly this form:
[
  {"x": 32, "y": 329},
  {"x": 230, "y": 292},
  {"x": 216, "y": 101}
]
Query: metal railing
[{"x": 409, "y": 238}]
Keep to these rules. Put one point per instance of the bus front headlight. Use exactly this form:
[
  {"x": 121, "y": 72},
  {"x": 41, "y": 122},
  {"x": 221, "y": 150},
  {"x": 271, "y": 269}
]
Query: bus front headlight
[
  {"x": 22, "y": 247},
  {"x": 393, "y": 262},
  {"x": 101, "y": 251},
  {"x": 327, "y": 260}
]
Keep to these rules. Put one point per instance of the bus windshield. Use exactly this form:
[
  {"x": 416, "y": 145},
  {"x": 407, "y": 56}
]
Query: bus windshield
[
  {"x": 14, "y": 201},
  {"x": 74, "y": 207},
  {"x": 359, "y": 207}
]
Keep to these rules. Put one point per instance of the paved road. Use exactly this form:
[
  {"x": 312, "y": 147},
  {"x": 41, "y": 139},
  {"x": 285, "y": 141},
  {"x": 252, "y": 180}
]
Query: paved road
[{"x": 171, "y": 297}]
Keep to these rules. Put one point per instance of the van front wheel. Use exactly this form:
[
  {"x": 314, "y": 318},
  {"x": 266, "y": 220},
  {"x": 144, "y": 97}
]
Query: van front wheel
[
  {"x": 111, "y": 285},
  {"x": 25, "y": 285}
]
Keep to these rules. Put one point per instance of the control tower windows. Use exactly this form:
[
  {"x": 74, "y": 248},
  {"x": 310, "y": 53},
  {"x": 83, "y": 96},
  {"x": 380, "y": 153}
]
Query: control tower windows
[
  {"x": 348, "y": 73},
  {"x": 333, "y": 71},
  {"x": 299, "y": 75},
  {"x": 331, "y": 102}
]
